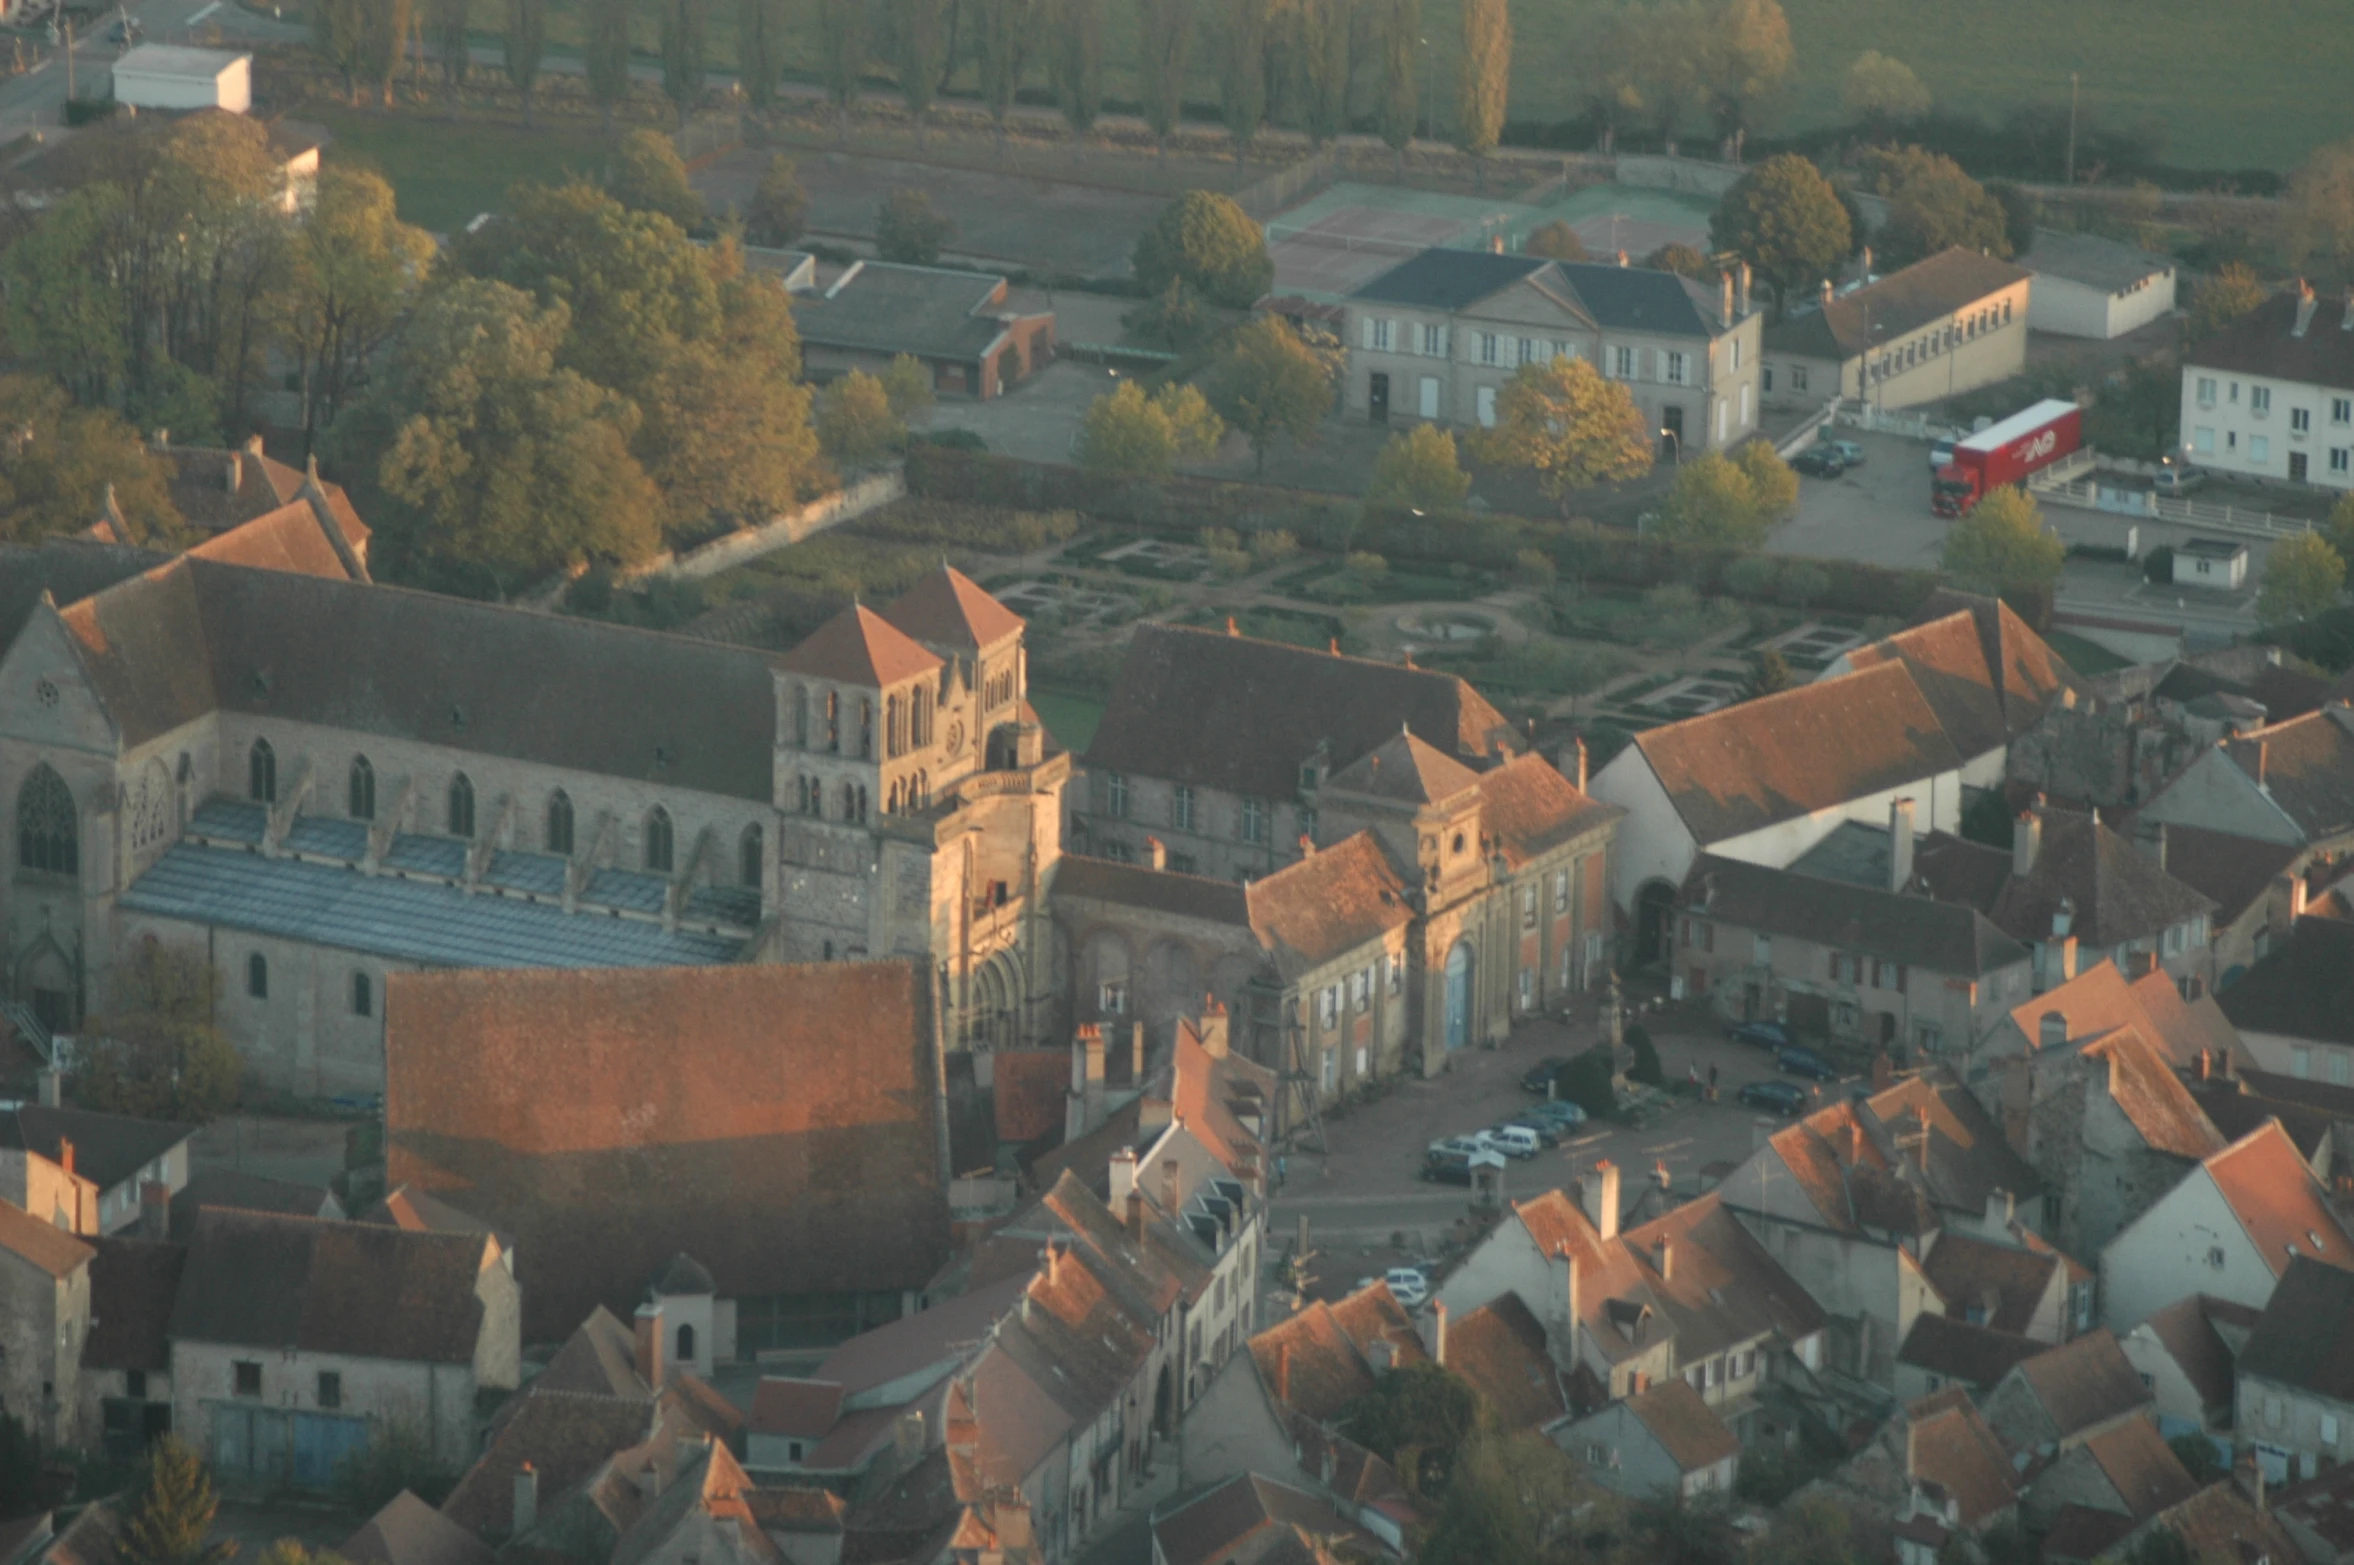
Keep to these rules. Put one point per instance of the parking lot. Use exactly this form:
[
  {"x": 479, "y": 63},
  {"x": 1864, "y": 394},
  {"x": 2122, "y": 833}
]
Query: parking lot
[
  {"x": 1877, "y": 513},
  {"x": 1368, "y": 1207}
]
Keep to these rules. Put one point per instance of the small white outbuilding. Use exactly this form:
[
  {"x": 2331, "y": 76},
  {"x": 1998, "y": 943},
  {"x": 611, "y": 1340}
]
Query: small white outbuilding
[{"x": 168, "y": 76}]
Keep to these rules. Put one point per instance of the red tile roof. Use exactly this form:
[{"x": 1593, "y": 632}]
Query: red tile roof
[
  {"x": 293, "y": 538},
  {"x": 2146, "y": 1474},
  {"x": 263, "y": 1280},
  {"x": 860, "y": 647},
  {"x": 1683, "y": 1423},
  {"x": 2281, "y": 1205},
  {"x": 407, "y": 1531},
  {"x": 2084, "y": 1383},
  {"x": 1976, "y": 1355},
  {"x": 2150, "y": 1095},
  {"x": 794, "y": 1409},
  {"x": 1407, "y": 770},
  {"x": 2186, "y": 1329},
  {"x": 1952, "y": 1445},
  {"x": 949, "y": 608},
  {"x": 133, "y": 1285},
  {"x": 1985, "y": 672},
  {"x": 1031, "y": 1092},
  {"x": 1328, "y": 904},
  {"x": 1965, "y": 1270},
  {"x": 1500, "y": 1349},
  {"x": 1527, "y": 807},
  {"x": 791, "y": 1150}
]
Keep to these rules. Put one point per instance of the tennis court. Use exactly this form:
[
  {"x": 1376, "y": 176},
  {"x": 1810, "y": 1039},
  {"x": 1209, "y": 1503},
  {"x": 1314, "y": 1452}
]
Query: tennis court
[{"x": 1348, "y": 234}]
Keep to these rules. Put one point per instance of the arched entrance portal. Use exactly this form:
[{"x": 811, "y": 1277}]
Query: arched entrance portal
[
  {"x": 1459, "y": 966},
  {"x": 1655, "y": 913}
]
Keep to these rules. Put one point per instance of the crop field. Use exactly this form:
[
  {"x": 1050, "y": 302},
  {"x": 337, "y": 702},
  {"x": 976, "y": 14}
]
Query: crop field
[{"x": 444, "y": 173}]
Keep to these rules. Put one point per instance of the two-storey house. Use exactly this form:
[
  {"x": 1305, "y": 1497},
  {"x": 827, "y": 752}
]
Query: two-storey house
[
  {"x": 1435, "y": 338},
  {"x": 2295, "y": 1391},
  {"x": 2272, "y": 394},
  {"x": 1944, "y": 325}
]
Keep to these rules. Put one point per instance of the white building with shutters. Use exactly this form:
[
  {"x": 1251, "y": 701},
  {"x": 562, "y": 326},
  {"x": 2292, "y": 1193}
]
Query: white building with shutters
[{"x": 1433, "y": 340}]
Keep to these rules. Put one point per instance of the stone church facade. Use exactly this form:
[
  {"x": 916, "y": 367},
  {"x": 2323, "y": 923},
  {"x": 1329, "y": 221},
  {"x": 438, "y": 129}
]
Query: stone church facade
[{"x": 316, "y": 782}]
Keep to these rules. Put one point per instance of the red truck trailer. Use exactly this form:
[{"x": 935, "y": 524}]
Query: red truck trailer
[{"x": 2006, "y": 453}]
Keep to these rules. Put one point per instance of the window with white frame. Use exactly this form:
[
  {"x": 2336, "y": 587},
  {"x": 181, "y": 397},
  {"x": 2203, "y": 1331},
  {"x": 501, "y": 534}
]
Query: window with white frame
[
  {"x": 1762, "y": 948},
  {"x": 1111, "y": 999},
  {"x": 1562, "y": 349},
  {"x": 1622, "y": 363},
  {"x": 1797, "y": 377},
  {"x": 1331, "y": 1068},
  {"x": 1181, "y": 807},
  {"x": 2340, "y": 459},
  {"x": 1528, "y": 350},
  {"x": 1254, "y": 821},
  {"x": 1675, "y": 369},
  {"x": 1490, "y": 347},
  {"x": 2301, "y": 420},
  {"x": 1434, "y": 341},
  {"x": 1736, "y": 353},
  {"x": 2203, "y": 438},
  {"x": 1528, "y": 987},
  {"x": 2260, "y": 400},
  {"x": 1115, "y": 795},
  {"x": 2341, "y": 410},
  {"x": 1528, "y": 907},
  {"x": 1397, "y": 972},
  {"x": 1328, "y": 1005},
  {"x": 1381, "y": 335},
  {"x": 1561, "y": 891}
]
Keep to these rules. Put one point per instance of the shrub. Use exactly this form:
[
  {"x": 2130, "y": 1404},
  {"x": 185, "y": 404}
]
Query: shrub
[{"x": 1645, "y": 1068}]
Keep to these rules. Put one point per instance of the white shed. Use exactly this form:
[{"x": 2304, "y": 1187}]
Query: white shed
[
  {"x": 166, "y": 76},
  {"x": 2087, "y": 286},
  {"x": 2211, "y": 562}
]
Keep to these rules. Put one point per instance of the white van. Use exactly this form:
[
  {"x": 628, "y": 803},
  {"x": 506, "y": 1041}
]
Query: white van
[{"x": 1518, "y": 1140}]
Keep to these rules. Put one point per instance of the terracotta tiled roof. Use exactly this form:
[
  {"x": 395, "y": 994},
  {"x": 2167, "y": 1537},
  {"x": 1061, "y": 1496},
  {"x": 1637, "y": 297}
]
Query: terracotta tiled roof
[
  {"x": 246, "y": 1193},
  {"x": 2152, "y": 1097},
  {"x": 860, "y": 647},
  {"x": 1250, "y": 1520},
  {"x": 1937, "y": 937},
  {"x": 1527, "y": 807},
  {"x": 949, "y": 608},
  {"x": 1500, "y": 1349},
  {"x": 796, "y": 1509},
  {"x": 2117, "y": 893},
  {"x": 1851, "y": 1161},
  {"x": 263, "y": 1280},
  {"x": 793, "y": 1151},
  {"x": 2218, "y": 1523},
  {"x": 1687, "y": 1426},
  {"x": 2307, "y": 768},
  {"x": 2084, "y": 1383},
  {"x": 1243, "y": 715},
  {"x": 133, "y": 1284},
  {"x": 2187, "y": 1332},
  {"x": 2322, "y": 1506},
  {"x": 294, "y": 537},
  {"x": 1761, "y": 762},
  {"x": 420, "y": 1212},
  {"x": 2099, "y": 1000},
  {"x": 1372, "y": 1314},
  {"x": 928, "y": 1338},
  {"x": 1987, "y": 675},
  {"x": 2234, "y": 871},
  {"x": 1965, "y": 1270},
  {"x": 1975, "y": 1355},
  {"x": 1930, "y": 289},
  {"x": 1311, "y": 1365},
  {"x": 2304, "y": 989},
  {"x": 2145, "y": 1473},
  {"x": 1031, "y": 1092},
  {"x": 1333, "y": 902},
  {"x": 44, "y": 1245},
  {"x": 794, "y": 1409},
  {"x": 600, "y": 1358},
  {"x": 565, "y": 1435},
  {"x": 2273, "y": 1192},
  {"x": 2080, "y": 1533},
  {"x": 1140, "y": 886},
  {"x": 2300, "y": 1340},
  {"x": 1404, "y": 769},
  {"x": 1953, "y": 1446},
  {"x": 407, "y": 1531}
]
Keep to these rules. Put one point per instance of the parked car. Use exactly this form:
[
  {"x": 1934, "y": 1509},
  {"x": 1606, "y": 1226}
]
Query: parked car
[
  {"x": 2173, "y": 481},
  {"x": 1517, "y": 1141},
  {"x": 1446, "y": 1166},
  {"x": 1796, "y": 1061},
  {"x": 1561, "y": 1111},
  {"x": 1778, "y": 1097},
  {"x": 1466, "y": 1145},
  {"x": 1764, "y": 1035},
  {"x": 1549, "y": 1130},
  {"x": 1818, "y": 462},
  {"x": 1408, "y": 1285},
  {"x": 1847, "y": 451},
  {"x": 1538, "y": 1078}
]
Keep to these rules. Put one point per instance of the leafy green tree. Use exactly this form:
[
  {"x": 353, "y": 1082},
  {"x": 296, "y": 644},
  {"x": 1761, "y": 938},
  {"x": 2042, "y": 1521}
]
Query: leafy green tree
[
  {"x": 908, "y": 230},
  {"x": 907, "y": 384},
  {"x": 1130, "y": 435},
  {"x": 523, "y": 43},
  {"x": 384, "y": 34},
  {"x": 1680, "y": 259},
  {"x": 357, "y": 269},
  {"x": 841, "y": 56},
  {"x": 339, "y": 39},
  {"x": 1744, "y": 58},
  {"x": 648, "y": 175},
  {"x": 1198, "y": 430},
  {"x": 496, "y": 465},
  {"x": 1556, "y": 241},
  {"x": 1882, "y": 94},
  {"x": 1772, "y": 480},
  {"x": 1609, "y": 70},
  {"x": 2021, "y": 213},
  {"x": 2223, "y": 296},
  {"x": 1175, "y": 317},
  {"x": 1074, "y": 61},
  {"x": 1785, "y": 220},
  {"x": 1207, "y": 242},
  {"x": 1667, "y": 68},
  {"x": 920, "y": 29},
  {"x": 604, "y": 48},
  {"x": 1810, "y": 1531},
  {"x": 1932, "y": 206},
  {"x": 1399, "y": 30},
  {"x": 1509, "y": 1496},
  {"x": 761, "y": 27},
  {"x": 1417, "y": 1418},
  {"x": 1569, "y": 426},
  {"x": 2196, "y": 1453},
  {"x": 2321, "y": 209},
  {"x": 2139, "y": 412},
  {"x": 1483, "y": 79},
  {"x": 59, "y": 464},
  {"x": 2303, "y": 577},
  {"x": 1166, "y": 43},
  {"x": 1322, "y": 65},
  {"x": 780, "y": 207},
  {"x": 2002, "y": 545},
  {"x": 855, "y": 423},
  {"x": 1242, "y": 70},
  {"x": 1008, "y": 28},
  {"x": 1418, "y": 468},
  {"x": 446, "y": 24},
  {"x": 685, "y": 24},
  {"x": 1712, "y": 505},
  {"x": 1770, "y": 675},
  {"x": 1676, "y": 1529},
  {"x": 1644, "y": 1067},
  {"x": 2340, "y": 526},
  {"x": 171, "y": 1510},
  {"x": 1267, "y": 382}
]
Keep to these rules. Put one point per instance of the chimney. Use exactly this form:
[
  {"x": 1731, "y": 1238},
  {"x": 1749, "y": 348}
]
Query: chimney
[
  {"x": 1826, "y": 290},
  {"x": 1602, "y": 1199},
  {"x": 2263, "y": 747},
  {"x": 65, "y": 1156},
  {"x": 1283, "y": 1372},
  {"x": 1136, "y": 1055},
  {"x": 1725, "y": 298},
  {"x": 1307, "y": 846},
  {"x": 1434, "y": 1331},
  {"x": 2064, "y": 918},
  {"x": 649, "y": 1361},
  {"x": 1911, "y": 1460},
  {"x": 1496, "y": 244},
  {"x": 1157, "y": 852},
  {"x": 1123, "y": 1178},
  {"x": 1915, "y": 1139},
  {"x": 1213, "y": 1029},
  {"x": 1663, "y": 1258},
  {"x": 907, "y": 1438},
  {"x": 52, "y": 1087},
  {"x": 2001, "y": 1210},
  {"x": 2051, "y": 1030},
  {"x": 2206, "y": 1064},
  {"x": 234, "y": 477},
  {"x": 1580, "y": 778},
  {"x": 1169, "y": 1200},
  {"x": 526, "y": 1501},
  {"x": 1230, "y": 630},
  {"x": 155, "y": 1209},
  {"x": 2305, "y": 307},
  {"x": 1660, "y": 1178},
  {"x": 2026, "y": 842},
  {"x": 1622, "y": 258},
  {"x": 1741, "y": 294},
  {"x": 1851, "y": 1143},
  {"x": 1565, "y": 1307},
  {"x": 1085, "y": 1110},
  {"x": 1135, "y": 1215},
  {"x": 2154, "y": 843},
  {"x": 1900, "y": 844},
  {"x": 1865, "y": 275}
]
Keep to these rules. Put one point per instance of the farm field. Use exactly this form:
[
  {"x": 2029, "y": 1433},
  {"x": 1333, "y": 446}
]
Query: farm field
[
  {"x": 444, "y": 172},
  {"x": 2257, "y": 84}
]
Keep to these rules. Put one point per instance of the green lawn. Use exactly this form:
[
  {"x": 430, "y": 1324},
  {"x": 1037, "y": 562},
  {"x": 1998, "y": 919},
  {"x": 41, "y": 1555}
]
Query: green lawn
[
  {"x": 445, "y": 172},
  {"x": 1070, "y": 719}
]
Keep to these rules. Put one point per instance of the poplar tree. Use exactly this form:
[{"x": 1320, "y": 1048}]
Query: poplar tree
[
  {"x": 1484, "y": 79},
  {"x": 1166, "y": 34}
]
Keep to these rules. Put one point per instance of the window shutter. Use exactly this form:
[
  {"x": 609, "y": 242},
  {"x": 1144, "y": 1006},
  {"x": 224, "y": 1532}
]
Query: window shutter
[{"x": 1365, "y": 330}]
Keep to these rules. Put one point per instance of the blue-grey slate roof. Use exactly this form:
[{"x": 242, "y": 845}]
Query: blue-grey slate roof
[
  {"x": 427, "y": 855},
  {"x": 227, "y": 820},
  {"x": 328, "y": 837},
  {"x": 1449, "y": 279},
  {"x": 404, "y": 920},
  {"x": 1622, "y": 298}
]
